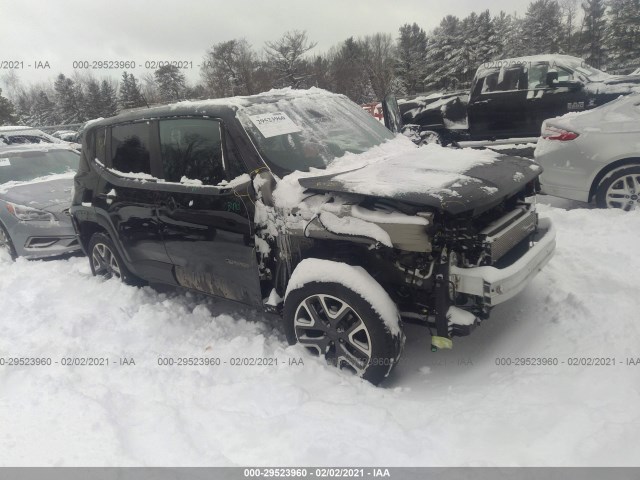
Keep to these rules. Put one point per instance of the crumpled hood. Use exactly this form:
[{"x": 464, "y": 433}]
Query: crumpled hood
[
  {"x": 50, "y": 195},
  {"x": 450, "y": 180}
]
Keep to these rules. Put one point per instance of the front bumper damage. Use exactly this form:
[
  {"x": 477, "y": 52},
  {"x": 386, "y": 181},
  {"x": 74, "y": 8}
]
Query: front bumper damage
[{"x": 496, "y": 285}]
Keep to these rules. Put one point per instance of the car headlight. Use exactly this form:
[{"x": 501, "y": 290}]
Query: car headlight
[{"x": 28, "y": 214}]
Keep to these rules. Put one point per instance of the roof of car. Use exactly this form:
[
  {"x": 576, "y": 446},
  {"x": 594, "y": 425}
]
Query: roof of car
[
  {"x": 11, "y": 128},
  {"x": 213, "y": 107}
]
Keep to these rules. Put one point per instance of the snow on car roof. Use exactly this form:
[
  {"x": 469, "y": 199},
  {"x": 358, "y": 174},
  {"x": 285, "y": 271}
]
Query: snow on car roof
[
  {"x": 14, "y": 127},
  {"x": 211, "y": 106},
  {"x": 536, "y": 58}
]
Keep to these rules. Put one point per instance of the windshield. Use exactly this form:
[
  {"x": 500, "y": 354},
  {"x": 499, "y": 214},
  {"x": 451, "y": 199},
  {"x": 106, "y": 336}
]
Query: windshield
[
  {"x": 310, "y": 130},
  {"x": 28, "y": 165}
]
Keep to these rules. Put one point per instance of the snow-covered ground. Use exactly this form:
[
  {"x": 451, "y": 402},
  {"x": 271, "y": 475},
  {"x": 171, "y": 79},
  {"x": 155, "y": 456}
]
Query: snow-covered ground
[{"x": 447, "y": 408}]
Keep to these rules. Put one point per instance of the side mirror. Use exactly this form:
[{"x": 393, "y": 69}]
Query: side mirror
[
  {"x": 392, "y": 116},
  {"x": 552, "y": 78}
]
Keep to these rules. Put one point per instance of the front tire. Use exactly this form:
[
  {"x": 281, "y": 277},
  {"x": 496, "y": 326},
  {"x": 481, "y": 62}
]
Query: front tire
[
  {"x": 6, "y": 243},
  {"x": 620, "y": 190},
  {"x": 333, "y": 321},
  {"x": 106, "y": 261}
]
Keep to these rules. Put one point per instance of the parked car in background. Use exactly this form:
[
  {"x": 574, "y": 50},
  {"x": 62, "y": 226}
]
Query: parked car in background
[
  {"x": 302, "y": 204},
  {"x": 66, "y": 135},
  {"x": 510, "y": 98},
  {"x": 35, "y": 194},
  {"x": 594, "y": 155},
  {"x": 15, "y": 135},
  {"x": 18, "y": 134}
]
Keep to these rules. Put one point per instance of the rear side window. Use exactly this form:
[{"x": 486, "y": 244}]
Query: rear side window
[
  {"x": 192, "y": 148},
  {"x": 130, "y": 148}
]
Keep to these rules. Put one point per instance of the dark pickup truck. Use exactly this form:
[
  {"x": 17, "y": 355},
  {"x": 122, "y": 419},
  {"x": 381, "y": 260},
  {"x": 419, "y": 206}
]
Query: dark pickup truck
[{"x": 511, "y": 98}]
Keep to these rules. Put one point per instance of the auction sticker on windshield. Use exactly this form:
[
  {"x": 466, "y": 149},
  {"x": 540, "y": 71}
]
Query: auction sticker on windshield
[
  {"x": 4, "y": 162},
  {"x": 273, "y": 124}
]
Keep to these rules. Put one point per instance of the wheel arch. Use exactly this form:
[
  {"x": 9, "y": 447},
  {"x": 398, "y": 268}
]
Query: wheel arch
[
  {"x": 609, "y": 168},
  {"x": 86, "y": 230}
]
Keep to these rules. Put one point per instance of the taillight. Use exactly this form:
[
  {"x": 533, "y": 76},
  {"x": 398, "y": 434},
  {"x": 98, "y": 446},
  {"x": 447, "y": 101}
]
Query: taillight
[{"x": 555, "y": 133}]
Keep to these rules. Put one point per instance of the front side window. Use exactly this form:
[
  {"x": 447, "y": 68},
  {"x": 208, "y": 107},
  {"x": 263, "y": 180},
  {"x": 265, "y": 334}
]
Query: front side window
[
  {"x": 537, "y": 76},
  {"x": 191, "y": 148},
  {"x": 130, "y": 148}
]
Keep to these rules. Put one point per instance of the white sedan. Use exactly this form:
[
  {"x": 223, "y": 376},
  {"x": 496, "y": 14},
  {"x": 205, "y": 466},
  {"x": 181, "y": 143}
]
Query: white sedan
[{"x": 594, "y": 155}]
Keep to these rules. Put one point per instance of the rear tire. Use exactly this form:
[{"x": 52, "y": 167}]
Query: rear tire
[
  {"x": 620, "y": 190},
  {"x": 106, "y": 262},
  {"x": 333, "y": 321},
  {"x": 6, "y": 243}
]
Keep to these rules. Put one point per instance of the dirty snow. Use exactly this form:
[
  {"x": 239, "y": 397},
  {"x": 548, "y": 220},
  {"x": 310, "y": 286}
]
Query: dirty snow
[{"x": 447, "y": 408}]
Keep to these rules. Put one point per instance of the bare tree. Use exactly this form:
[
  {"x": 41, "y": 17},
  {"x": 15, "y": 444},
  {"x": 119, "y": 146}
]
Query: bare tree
[
  {"x": 286, "y": 56},
  {"x": 149, "y": 88},
  {"x": 379, "y": 62},
  {"x": 569, "y": 10}
]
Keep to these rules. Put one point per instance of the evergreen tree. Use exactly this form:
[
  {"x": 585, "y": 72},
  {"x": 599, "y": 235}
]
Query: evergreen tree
[
  {"x": 320, "y": 72},
  {"x": 43, "y": 111},
  {"x": 466, "y": 50},
  {"x": 68, "y": 109},
  {"x": 130, "y": 95},
  {"x": 109, "y": 99},
  {"x": 411, "y": 64},
  {"x": 542, "y": 27},
  {"x": 7, "y": 111},
  {"x": 488, "y": 46},
  {"x": 443, "y": 46},
  {"x": 171, "y": 83},
  {"x": 93, "y": 101},
  {"x": 623, "y": 34},
  {"x": 593, "y": 32},
  {"x": 349, "y": 74}
]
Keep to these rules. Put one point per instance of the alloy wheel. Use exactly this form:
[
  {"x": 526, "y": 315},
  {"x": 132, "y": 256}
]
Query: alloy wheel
[
  {"x": 105, "y": 262},
  {"x": 624, "y": 193},
  {"x": 329, "y": 326}
]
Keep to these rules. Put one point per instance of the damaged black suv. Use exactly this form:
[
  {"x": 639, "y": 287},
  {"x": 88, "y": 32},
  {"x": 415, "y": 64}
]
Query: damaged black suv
[{"x": 301, "y": 204}]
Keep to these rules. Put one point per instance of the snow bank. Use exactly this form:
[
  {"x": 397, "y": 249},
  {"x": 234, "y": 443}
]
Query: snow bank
[{"x": 455, "y": 407}]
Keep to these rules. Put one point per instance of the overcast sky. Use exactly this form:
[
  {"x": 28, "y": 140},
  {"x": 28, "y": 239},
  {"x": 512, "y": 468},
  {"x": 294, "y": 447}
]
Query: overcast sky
[{"x": 62, "y": 31}]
